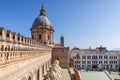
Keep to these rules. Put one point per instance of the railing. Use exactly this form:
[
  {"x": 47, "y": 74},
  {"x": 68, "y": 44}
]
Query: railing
[
  {"x": 110, "y": 77},
  {"x": 12, "y": 56}
]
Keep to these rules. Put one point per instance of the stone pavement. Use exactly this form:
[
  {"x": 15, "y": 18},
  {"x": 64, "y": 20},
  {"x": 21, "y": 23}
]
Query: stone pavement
[{"x": 115, "y": 75}]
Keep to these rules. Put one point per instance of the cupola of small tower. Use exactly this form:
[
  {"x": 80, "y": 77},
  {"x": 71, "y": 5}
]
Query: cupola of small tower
[
  {"x": 42, "y": 11},
  {"x": 62, "y": 40}
]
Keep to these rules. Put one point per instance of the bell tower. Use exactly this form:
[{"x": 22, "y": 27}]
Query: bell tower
[
  {"x": 42, "y": 29},
  {"x": 62, "y": 40}
]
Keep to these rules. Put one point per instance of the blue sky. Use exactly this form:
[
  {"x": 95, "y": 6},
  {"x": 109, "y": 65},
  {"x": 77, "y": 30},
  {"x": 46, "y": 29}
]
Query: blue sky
[{"x": 83, "y": 23}]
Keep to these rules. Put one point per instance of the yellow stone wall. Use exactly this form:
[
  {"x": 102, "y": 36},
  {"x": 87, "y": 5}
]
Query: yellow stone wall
[{"x": 62, "y": 54}]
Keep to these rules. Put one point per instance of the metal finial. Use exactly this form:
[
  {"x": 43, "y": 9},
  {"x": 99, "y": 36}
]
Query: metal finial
[{"x": 42, "y": 4}]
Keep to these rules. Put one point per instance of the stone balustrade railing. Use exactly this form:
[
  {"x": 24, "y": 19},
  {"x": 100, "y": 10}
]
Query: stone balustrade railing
[
  {"x": 9, "y": 36},
  {"x": 12, "y": 56},
  {"x": 15, "y": 47}
]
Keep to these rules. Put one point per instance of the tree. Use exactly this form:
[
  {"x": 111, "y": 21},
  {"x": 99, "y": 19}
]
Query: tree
[{"x": 77, "y": 57}]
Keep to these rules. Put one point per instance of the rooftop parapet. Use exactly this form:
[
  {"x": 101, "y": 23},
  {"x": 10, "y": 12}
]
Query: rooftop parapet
[{"x": 13, "y": 37}]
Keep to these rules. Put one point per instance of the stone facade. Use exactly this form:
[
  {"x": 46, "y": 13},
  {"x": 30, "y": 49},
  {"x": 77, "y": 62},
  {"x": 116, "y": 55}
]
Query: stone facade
[
  {"x": 99, "y": 58},
  {"x": 22, "y": 58},
  {"x": 42, "y": 34},
  {"x": 42, "y": 29},
  {"x": 62, "y": 54}
]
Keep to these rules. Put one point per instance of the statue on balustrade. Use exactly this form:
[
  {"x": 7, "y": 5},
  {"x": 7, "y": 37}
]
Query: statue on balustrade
[
  {"x": 56, "y": 64},
  {"x": 55, "y": 72}
]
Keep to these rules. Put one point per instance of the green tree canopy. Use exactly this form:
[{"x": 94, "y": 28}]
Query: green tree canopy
[{"x": 78, "y": 56}]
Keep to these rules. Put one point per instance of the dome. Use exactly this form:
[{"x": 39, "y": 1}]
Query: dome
[{"x": 42, "y": 21}]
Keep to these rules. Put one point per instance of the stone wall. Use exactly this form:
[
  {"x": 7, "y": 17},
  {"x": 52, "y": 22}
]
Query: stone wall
[
  {"x": 62, "y": 54},
  {"x": 32, "y": 67}
]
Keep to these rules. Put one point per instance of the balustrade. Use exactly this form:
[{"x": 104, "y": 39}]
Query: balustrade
[
  {"x": 11, "y": 56},
  {"x": 15, "y": 47}
]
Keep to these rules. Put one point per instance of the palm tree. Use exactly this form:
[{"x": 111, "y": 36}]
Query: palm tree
[{"x": 77, "y": 56}]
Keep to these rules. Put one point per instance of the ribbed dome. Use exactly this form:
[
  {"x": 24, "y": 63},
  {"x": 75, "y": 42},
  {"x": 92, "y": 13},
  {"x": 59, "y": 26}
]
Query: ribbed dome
[{"x": 42, "y": 21}]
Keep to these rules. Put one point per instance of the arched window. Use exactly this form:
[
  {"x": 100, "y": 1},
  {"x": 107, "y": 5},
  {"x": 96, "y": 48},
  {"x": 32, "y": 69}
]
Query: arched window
[
  {"x": 40, "y": 37},
  {"x": 13, "y": 36},
  {"x": 48, "y": 37},
  {"x": 7, "y": 35}
]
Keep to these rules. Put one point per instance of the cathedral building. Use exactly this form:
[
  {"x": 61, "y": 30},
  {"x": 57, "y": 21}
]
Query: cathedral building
[
  {"x": 42, "y": 31},
  {"x": 24, "y": 58}
]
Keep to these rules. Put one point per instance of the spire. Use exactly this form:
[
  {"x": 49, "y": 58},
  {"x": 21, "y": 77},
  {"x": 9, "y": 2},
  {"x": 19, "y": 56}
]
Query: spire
[
  {"x": 42, "y": 5},
  {"x": 42, "y": 11}
]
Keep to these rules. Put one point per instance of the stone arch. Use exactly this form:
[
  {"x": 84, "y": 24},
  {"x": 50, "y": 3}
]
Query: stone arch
[
  {"x": 30, "y": 76},
  {"x": 24, "y": 78}
]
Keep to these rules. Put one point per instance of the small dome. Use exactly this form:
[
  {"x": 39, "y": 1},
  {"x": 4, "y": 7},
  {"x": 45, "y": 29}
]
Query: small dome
[{"x": 42, "y": 21}]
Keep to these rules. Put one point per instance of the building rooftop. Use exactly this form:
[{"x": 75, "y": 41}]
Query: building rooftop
[{"x": 94, "y": 75}]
